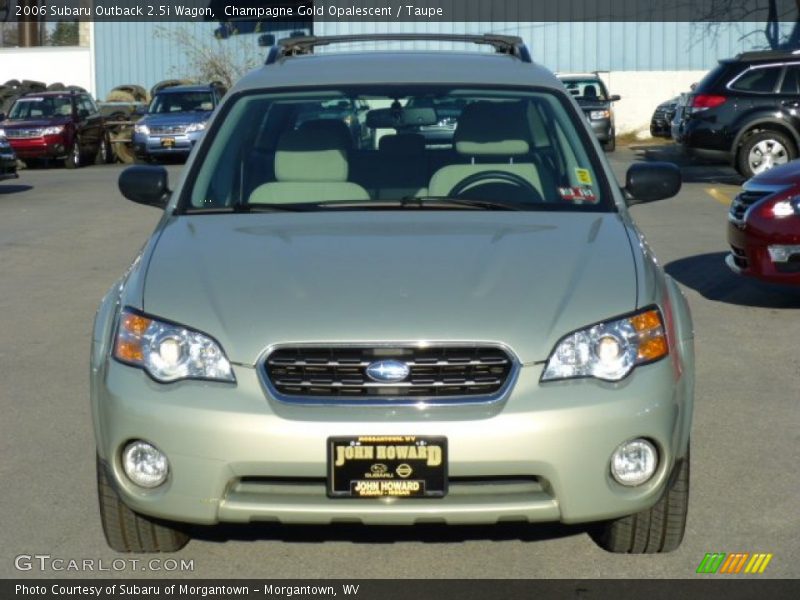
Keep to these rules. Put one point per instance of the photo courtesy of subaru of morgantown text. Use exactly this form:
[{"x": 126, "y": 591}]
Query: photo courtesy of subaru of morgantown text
[{"x": 395, "y": 288}]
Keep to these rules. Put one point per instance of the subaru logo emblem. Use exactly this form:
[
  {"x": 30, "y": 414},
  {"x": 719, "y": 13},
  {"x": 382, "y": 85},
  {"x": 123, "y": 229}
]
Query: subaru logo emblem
[{"x": 388, "y": 371}]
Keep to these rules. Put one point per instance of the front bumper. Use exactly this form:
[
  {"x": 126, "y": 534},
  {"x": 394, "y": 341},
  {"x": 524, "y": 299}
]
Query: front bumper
[
  {"x": 543, "y": 454},
  {"x": 165, "y": 145},
  {"x": 603, "y": 129},
  {"x": 51, "y": 146},
  {"x": 750, "y": 256}
]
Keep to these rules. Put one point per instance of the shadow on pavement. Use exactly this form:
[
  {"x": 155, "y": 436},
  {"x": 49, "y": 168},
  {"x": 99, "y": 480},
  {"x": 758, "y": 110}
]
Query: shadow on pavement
[
  {"x": 14, "y": 188},
  {"x": 363, "y": 534},
  {"x": 693, "y": 170},
  {"x": 708, "y": 275}
]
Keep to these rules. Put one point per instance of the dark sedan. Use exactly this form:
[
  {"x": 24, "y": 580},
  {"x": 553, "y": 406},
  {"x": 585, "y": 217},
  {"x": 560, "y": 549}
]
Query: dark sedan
[
  {"x": 8, "y": 160},
  {"x": 764, "y": 226}
]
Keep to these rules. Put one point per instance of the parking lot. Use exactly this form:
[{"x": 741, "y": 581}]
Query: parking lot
[{"x": 66, "y": 236}]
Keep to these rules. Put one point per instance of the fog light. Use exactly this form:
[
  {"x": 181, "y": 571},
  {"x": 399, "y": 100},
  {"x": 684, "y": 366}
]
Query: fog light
[
  {"x": 144, "y": 464},
  {"x": 782, "y": 254},
  {"x": 634, "y": 462}
]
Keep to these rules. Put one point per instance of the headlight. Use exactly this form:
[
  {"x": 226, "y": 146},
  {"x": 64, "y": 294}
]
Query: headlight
[
  {"x": 2, "y": 133},
  {"x": 53, "y": 130},
  {"x": 609, "y": 350},
  {"x": 143, "y": 129},
  {"x": 167, "y": 351},
  {"x": 786, "y": 208},
  {"x": 195, "y": 127},
  {"x": 599, "y": 114}
]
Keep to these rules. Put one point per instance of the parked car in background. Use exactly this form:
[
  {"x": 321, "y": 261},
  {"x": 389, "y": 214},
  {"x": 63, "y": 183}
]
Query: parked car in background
[
  {"x": 353, "y": 113},
  {"x": 57, "y": 125},
  {"x": 175, "y": 121},
  {"x": 745, "y": 112},
  {"x": 597, "y": 104},
  {"x": 315, "y": 334},
  {"x": 764, "y": 226},
  {"x": 8, "y": 160},
  {"x": 661, "y": 122}
]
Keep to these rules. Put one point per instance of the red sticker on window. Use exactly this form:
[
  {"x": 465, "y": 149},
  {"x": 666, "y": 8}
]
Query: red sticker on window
[{"x": 577, "y": 194}]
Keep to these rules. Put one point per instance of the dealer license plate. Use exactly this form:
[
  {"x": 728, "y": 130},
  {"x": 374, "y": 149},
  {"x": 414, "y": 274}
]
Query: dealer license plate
[
  {"x": 403, "y": 466},
  {"x": 168, "y": 142}
]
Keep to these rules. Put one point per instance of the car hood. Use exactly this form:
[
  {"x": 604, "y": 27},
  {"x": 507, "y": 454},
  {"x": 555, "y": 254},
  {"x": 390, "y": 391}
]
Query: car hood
[
  {"x": 783, "y": 175},
  {"x": 178, "y": 118},
  {"x": 34, "y": 123},
  {"x": 523, "y": 279}
]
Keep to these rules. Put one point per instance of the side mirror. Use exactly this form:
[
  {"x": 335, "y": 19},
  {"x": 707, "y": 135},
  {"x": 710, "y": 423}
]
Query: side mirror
[
  {"x": 83, "y": 113},
  {"x": 647, "y": 182},
  {"x": 145, "y": 185},
  {"x": 615, "y": 98}
]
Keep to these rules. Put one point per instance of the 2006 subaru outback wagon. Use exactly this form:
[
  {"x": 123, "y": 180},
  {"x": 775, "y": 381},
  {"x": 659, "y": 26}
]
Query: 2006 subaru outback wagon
[{"x": 324, "y": 328}]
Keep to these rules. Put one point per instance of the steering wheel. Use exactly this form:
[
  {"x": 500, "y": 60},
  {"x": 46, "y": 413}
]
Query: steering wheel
[{"x": 490, "y": 177}]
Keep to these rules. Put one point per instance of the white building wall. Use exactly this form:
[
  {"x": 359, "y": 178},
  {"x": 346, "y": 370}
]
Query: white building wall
[
  {"x": 70, "y": 66},
  {"x": 642, "y": 91}
]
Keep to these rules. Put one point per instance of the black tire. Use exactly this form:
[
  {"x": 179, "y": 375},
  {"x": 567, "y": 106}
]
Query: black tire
[
  {"x": 12, "y": 83},
  {"x": 128, "y": 531},
  {"x": 611, "y": 144},
  {"x": 750, "y": 142},
  {"x": 656, "y": 530},
  {"x": 33, "y": 86},
  {"x": 74, "y": 158},
  {"x": 76, "y": 88},
  {"x": 56, "y": 87},
  {"x": 105, "y": 155}
]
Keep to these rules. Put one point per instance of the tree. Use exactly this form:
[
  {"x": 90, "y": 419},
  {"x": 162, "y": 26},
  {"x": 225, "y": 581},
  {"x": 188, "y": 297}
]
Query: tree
[
  {"x": 776, "y": 12},
  {"x": 64, "y": 34}
]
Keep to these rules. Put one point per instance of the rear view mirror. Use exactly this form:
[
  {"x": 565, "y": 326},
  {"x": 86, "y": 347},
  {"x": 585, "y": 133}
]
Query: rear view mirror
[
  {"x": 398, "y": 118},
  {"x": 647, "y": 182},
  {"x": 145, "y": 185}
]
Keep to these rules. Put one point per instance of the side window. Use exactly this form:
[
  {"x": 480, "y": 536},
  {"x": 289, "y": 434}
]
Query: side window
[
  {"x": 791, "y": 81},
  {"x": 758, "y": 80}
]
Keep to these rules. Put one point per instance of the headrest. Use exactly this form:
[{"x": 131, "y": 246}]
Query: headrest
[
  {"x": 65, "y": 109},
  {"x": 308, "y": 154},
  {"x": 334, "y": 128},
  {"x": 492, "y": 128},
  {"x": 590, "y": 92},
  {"x": 402, "y": 143}
]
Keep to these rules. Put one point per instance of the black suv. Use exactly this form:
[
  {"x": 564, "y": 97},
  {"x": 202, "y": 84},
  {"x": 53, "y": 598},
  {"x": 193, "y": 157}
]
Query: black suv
[{"x": 745, "y": 111}]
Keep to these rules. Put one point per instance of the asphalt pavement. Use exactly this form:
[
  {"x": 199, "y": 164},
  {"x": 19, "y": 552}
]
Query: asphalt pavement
[{"x": 66, "y": 236}]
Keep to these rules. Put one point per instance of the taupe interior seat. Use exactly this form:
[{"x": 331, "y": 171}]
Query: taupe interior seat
[
  {"x": 311, "y": 166},
  {"x": 495, "y": 136}
]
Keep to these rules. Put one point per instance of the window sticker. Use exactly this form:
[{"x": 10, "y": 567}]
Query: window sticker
[
  {"x": 584, "y": 177},
  {"x": 578, "y": 194}
]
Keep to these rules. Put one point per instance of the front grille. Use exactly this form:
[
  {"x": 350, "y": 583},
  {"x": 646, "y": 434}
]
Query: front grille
[
  {"x": 168, "y": 129},
  {"x": 23, "y": 134},
  {"x": 438, "y": 372},
  {"x": 742, "y": 202}
]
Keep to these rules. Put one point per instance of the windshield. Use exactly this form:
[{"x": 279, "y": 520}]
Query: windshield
[
  {"x": 41, "y": 107},
  {"x": 586, "y": 90},
  {"x": 172, "y": 102},
  {"x": 372, "y": 149}
]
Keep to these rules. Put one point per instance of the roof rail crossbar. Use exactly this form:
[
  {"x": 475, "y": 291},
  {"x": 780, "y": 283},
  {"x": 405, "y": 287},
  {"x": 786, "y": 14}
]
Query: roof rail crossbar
[{"x": 295, "y": 46}]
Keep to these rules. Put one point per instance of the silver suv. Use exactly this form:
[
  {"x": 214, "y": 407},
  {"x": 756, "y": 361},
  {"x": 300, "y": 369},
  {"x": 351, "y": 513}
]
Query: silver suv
[{"x": 327, "y": 327}]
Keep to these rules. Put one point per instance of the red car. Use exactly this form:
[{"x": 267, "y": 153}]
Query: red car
[
  {"x": 57, "y": 125},
  {"x": 764, "y": 226}
]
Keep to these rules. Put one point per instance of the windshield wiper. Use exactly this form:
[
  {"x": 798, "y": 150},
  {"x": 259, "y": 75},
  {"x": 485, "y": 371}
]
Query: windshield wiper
[{"x": 447, "y": 202}]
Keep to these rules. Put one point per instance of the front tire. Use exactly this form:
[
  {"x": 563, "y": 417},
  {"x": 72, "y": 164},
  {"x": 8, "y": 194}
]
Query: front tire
[
  {"x": 611, "y": 144},
  {"x": 656, "y": 530},
  {"x": 762, "y": 151},
  {"x": 127, "y": 531},
  {"x": 105, "y": 155},
  {"x": 73, "y": 160}
]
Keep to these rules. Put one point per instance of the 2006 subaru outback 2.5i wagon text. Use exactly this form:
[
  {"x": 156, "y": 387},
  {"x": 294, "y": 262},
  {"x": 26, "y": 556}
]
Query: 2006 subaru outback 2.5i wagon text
[{"x": 327, "y": 328}]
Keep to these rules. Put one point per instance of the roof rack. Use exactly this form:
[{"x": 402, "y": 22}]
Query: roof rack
[
  {"x": 767, "y": 55},
  {"x": 295, "y": 46}
]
